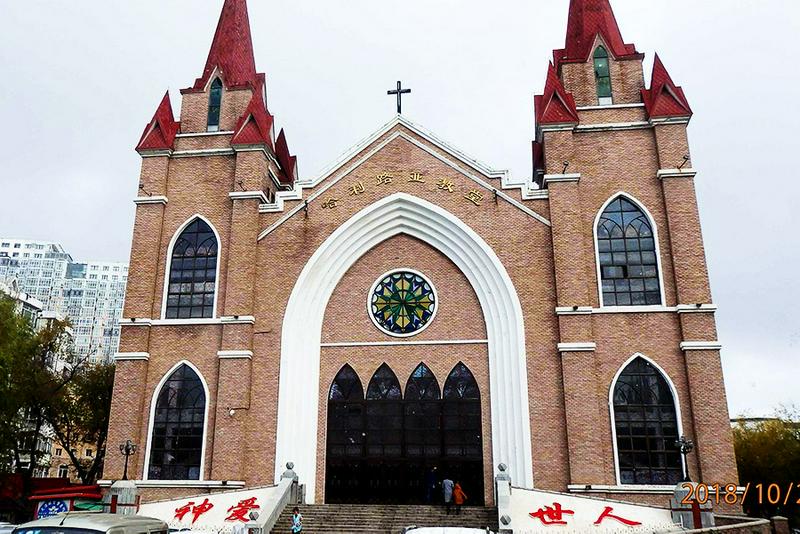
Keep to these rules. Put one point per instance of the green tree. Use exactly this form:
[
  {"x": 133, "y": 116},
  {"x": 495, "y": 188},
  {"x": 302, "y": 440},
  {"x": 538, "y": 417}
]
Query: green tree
[
  {"x": 36, "y": 365},
  {"x": 768, "y": 452},
  {"x": 79, "y": 416}
]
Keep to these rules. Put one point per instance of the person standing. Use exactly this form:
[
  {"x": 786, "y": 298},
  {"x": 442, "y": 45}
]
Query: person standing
[
  {"x": 297, "y": 521},
  {"x": 459, "y": 497},
  {"x": 431, "y": 481},
  {"x": 447, "y": 493}
]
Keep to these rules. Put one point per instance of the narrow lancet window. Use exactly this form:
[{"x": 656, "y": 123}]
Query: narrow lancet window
[
  {"x": 214, "y": 105},
  {"x": 602, "y": 75}
]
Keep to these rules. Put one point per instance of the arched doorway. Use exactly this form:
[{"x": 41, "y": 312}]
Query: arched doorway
[{"x": 384, "y": 447}]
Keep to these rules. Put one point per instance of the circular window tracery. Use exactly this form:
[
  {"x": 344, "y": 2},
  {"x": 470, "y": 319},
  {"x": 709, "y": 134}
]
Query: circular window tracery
[{"x": 402, "y": 303}]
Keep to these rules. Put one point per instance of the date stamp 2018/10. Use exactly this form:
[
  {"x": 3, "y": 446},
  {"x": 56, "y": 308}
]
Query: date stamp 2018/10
[{"x": 733, "y": 494}]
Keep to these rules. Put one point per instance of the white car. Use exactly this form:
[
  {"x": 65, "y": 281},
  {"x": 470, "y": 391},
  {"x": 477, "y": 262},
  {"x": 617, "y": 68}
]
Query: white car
[
  {"x": 6, "y": 528},
  {"x": 93, "y": 523},
  {"x": 448, "y": 530}
]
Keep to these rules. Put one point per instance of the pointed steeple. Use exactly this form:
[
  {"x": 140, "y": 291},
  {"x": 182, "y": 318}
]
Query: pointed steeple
[
  {"x": 160, "y": 132},
  {"x": 232, "y": 49},
  {"x": 555, "y": 105},
  {"x": 664, "y": 98},
  {"x": 587, "y": 19}
]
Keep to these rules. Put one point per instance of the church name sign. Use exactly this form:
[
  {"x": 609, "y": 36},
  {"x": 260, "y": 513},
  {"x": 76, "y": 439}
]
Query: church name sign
[{"x": 447, "y": 185}]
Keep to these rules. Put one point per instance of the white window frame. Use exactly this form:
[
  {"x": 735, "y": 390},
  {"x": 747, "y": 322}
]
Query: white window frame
[
  {"x": 656, "y": 238},
  {"x": 678, "y": 415},
  {"x": 154, "y": 399},
  {"x": 165, "y": 291}
]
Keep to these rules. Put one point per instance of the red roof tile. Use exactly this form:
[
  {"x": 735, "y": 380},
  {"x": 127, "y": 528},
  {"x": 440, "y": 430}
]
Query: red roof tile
[
  {"x": 587, "y": 19},
  {"x": 255, "y": 125},
  {"x": 160, "y": 132},
  {"x": 664, "y": 98},
  {"x": 287, "y": 161},
  {"x": 232, "y": 49},
  {"x": 555, "y": 105}
]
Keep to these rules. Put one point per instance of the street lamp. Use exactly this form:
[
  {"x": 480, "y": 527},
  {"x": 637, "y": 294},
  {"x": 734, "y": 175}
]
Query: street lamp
[
  {"x": 127, "y": 449},
  {"x": 686, "y": 446}
]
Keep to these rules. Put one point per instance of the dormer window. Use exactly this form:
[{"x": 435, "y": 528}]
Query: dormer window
[
  {"x": 602, "y": 76},
  {"x": 214, "y": 105}
]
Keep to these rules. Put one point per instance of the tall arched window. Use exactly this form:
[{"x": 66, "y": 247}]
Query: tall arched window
[
  {"x": 422, "y": 414},
  {"x": 384, "y": 414},
  {"x": 646, "y": 425},
  {"x": 193, "y": 273},
  {"x": 346, "y": 414},
  {"x": 177, "y": 429},
  {"x": 214, "y": 105},
  {"x": 626, "y": 249},
  {"x": 461, "y": 414},
  {"x": 602, "y": 75}
]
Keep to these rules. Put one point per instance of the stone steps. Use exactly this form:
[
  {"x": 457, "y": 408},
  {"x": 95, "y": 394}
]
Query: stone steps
[{"x": 382, "y": 519}]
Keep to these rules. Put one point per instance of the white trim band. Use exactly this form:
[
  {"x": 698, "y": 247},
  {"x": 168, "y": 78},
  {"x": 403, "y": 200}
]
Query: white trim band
[
  {"x": 158, "y": 199},
  {"x": 583, "y": 346},
  {"x": 610, "y": 106},
  {"x": 238, "y": 319},
  {"x": 601, "y": 488},
  {"x": 701, "y": 345},
  {"x": 696, "y": 308},
  {"x": 676, "y": 173},
  {"x": 235, "y": 354},
  {"x": 228, "y": 319},
  {"x": 131, "y": 356},
  {"x": 181, "y": 483},
  {"x": 400, "y": 343},
  {"x": 249, "y": 195},
  {"x": 136, "y": 321},
  {"x": 555, "y": 178},
  {"x": 574, "y": 310}
]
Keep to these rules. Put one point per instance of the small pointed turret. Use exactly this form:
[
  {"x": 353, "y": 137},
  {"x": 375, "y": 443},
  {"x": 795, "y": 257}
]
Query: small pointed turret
[
  {"x": 287, "y": 161},
  {"x": 587, "y": 19},
  {"x": 555, "y": 105},
  {"x": 255, "y": 125},
  {"x": 664, "y": 99},
  {"x": 232, "y": 49},
  {"x": 160, "y": 132}
]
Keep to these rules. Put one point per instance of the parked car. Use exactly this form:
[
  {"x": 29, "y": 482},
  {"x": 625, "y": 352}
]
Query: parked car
[
  {"x": 93, "y": 523},
  {"x": 445, "y": 530},
  {"x": 6, "y": 528}
]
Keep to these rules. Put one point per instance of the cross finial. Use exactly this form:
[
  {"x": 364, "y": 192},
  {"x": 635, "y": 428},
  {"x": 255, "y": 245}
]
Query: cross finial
[{"x": 399, "y": 92}]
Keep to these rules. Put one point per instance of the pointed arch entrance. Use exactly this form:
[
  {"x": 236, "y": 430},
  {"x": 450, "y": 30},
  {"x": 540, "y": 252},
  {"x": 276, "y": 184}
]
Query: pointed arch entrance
[
  {"x": 402, "y": 213},
  {"x": 392, "y": 446}
]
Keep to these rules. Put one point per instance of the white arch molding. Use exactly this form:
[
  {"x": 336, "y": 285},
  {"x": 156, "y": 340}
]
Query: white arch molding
[
  {"x": 154, "y": 399},
  {"x": 675, "y": 398},
  {"x": 298, "y": 403}
]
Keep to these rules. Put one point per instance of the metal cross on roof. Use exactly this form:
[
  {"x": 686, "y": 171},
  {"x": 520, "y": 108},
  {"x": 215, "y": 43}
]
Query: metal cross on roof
[{"x": 399, "y": 92}]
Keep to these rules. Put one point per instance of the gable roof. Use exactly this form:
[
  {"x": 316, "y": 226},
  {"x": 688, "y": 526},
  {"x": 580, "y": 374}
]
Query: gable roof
[
  {"x": 555, "y": 105},
  {"x": 255, "y": 125},
  {"x": 664, "y": 98},
  {"x": 160, "y": 132}
]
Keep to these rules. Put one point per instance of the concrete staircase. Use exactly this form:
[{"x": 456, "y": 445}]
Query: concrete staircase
[{"x": 382, "y": 519}]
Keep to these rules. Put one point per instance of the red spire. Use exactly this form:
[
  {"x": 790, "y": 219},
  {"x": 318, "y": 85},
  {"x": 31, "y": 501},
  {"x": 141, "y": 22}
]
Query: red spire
[
  {"x": 555, "y": 105},
  {"x": 287, "y": 161},
  {"x": 664, "y": 98},
  {"x": 587, "y": 19},
  {"x": 159, "y": 134},
  {"x": 232, "y": 49},
  {"x": 255, "y": 125}
]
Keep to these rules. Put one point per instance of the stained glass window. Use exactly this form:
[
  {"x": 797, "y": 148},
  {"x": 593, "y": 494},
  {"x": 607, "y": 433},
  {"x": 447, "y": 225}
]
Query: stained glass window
[
  {"x": 627, "y": 251},
  {"x": 461, "y": 414},
  {"x": 346, "y": 415},
  {"x": 402, "y": 303},
  {"x": 423, "y": 411},
  {"x": 384, "y": 414},
  {"x": 214, "y": 105},
  {"x": 647, "y": 426},
  {"x": 193, "y": 273},
  {"x": 179, "y": 417},
  {"x": 602, "y": 74}
]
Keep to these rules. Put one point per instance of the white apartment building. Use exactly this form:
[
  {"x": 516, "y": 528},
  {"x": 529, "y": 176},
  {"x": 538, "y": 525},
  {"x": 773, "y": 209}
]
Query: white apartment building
[{"x": 91, "y": 294}]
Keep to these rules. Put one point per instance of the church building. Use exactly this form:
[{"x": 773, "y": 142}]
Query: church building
[{"x": 412, "y": 307}]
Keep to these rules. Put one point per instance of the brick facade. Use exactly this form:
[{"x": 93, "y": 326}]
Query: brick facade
[{"x": 543, "y": 239}]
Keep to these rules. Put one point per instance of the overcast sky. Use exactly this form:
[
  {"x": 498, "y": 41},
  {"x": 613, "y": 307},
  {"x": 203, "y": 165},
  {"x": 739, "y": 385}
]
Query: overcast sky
[{"x": 82, "y": 78}]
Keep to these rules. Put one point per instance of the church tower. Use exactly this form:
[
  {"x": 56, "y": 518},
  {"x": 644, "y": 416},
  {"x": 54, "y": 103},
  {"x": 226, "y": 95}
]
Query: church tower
[
  {"x": 630, "y": 266},
  {"x": 204, "y": 175}
]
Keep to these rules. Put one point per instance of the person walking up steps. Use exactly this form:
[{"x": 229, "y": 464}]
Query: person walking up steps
[
  {"x": 459, "y": 497},
  {"x": 297, "y": 521},
  {"x": 447, "y": 492}
]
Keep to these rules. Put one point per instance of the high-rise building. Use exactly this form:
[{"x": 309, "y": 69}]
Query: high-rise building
[{"x": 89, "y": 294}]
